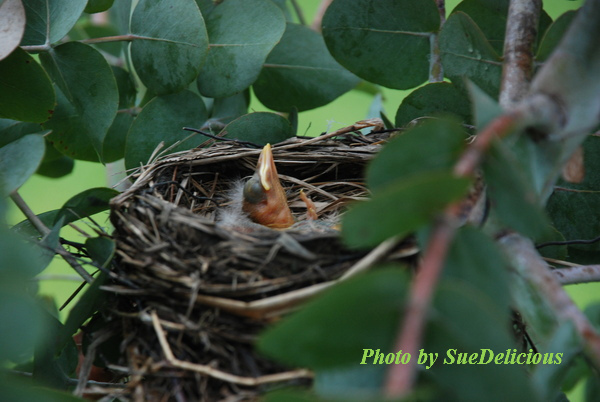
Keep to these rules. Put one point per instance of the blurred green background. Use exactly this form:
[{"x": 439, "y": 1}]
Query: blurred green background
[{"x": 59, "y": 281}]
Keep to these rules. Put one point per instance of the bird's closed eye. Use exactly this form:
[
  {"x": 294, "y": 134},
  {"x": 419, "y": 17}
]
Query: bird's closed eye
[{"x": 253, "y": 191}]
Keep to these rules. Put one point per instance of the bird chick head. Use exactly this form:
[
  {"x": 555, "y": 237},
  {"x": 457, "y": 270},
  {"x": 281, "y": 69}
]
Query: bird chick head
[{"x": 264, "y": 199}]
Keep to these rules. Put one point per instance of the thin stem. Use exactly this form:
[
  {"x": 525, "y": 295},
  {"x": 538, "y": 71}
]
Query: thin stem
[
  {"x": 107, "y": 39},
  {"x": 44, "y": 231},
  {"x": 36, "y": 48},
  {"x": 579, "y": 274},
  {"x": 316, "y": 24},
  {"x": 298, "y": 12}
]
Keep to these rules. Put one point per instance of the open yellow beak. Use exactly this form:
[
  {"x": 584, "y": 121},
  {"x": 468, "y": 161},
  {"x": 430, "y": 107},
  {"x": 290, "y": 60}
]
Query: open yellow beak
[{"x": 264, "y": 198}]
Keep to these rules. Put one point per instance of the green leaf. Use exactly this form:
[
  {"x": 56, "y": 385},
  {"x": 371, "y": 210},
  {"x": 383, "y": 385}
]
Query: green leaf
[
  {"x": 548, "y": 378},
  {"x": 467, "y": 320},
  {"x": 11, "y": 130},
  {"x": 89, "y": 87},
  {"x": 225, "y": 110},
  {"x": 436, "y": 99},
  {"x": 101, "y": 250},
  {"x": 12, "y": 21},
  {"x": 26, "y": 92},
  {"x": 260, "y": 128},
  {"x": 86, "y": 203},
  {"x": 401, "y": 207},
  {"x": 491, "y": 15},
  {"x": 382, "y": 41},
  {"x": 171, "y": 46},
  {"x": 86, "y": 306},
  {"x": 162, "y": 120},
  {"x": 57, "y": 167},
  {"x": 18, "y": 389},
  {"x": 367, "y": 307},
  {"x": 301, "y": 73},
  {"x": 575, "y": 215},
  {"x": 18, "y": 161},
  {"x": 242, "y": 33},
  {"x": 27, "y": 230},
  {"x": 466, "y": 53},
  {"x": 47, "y": 245},
  {"x": 432, "y": 146},
  {"x": 554, "y": 34},
  {"x": 485, "y": 109},
  {"x": 97, "y": 6},
  {"x": 50, "y": 21},
  {"x": 515, "y": 201},
  {"x": 114, "y": 143}
]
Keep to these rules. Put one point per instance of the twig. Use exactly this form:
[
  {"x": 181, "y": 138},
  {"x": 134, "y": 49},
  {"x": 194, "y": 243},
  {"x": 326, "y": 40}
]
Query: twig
[
  {"x": 517, "y": 68},
  {"x": 218, "y": 374},
  {"x": 117, "y": 38},
  {"x": 44, "y": 231},
  {"x": 316, "y": 24},
  {"x": 436, "y": 71},
  {"x": 88, "y": 361},
  {"x": 532, "y": 267},
  {"x": 298, "y": 12},
  {"x": 567, "y": 242},
  {"x": 579, "y": 274}
]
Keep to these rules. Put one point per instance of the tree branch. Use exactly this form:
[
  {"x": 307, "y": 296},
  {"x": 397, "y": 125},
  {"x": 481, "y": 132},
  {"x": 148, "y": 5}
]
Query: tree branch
[
  {"x": 578, "y": 274},
  {"x": 436, "y": 71},
  {"x": 528, "y": 263},
  {"x": 521, "y": 31}
]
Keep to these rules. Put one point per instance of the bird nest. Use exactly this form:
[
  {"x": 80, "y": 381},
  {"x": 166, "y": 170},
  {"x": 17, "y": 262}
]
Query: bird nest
[{"x": 191, "y": 291}]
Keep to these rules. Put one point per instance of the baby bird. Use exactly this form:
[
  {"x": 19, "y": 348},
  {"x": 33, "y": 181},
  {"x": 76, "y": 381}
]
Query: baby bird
[{"x": 262, "y": 199}]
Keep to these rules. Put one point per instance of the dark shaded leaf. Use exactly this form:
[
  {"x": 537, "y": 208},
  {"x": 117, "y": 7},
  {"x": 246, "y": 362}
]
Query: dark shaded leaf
[
  {"x": 436, "y": 99},
  {"x": 162, "y": 120},
  {"x": 401, "y": 207},
  {"x": 87, "y": 305},
  {"x": 554, "y": 34},
  {"x": 90, "y": 91},
  {"x": 59, "y": 167},
  {"x": 26, "y": 92},
  {"x": 301, "y": 73},
  {"x": 55, "y": 18},
  {"x": 432, "y": 146},
  {"x": 97, "y": 6},
  {"x": 514, "y": 199},
  {"x": 101, "y": 249},
  {"x": 172, "y": 46},
  {"x": 86, "y": 203},
  {"x": 11, "y": 130},
  {"x": 18, "y": 161},
  {"x": 260, "y": 128},
  {"x": 337, "y": 313},
  {"x": 575, "y": 215},
  {"x": 491, "y": 15},
  {"x": 225, "y": 110},
  {"x": 114, "y": 142},
  {"x": 382, "y": 41},
  {"x": 242, "y": 33},
  {"x": 17, "y": 389},
  {"x": 466, "y": 53}
]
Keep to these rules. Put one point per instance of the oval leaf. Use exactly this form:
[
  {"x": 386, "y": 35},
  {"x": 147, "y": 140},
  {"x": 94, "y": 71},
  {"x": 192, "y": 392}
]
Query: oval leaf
[
  {"x": 90, "y": 91},
  {"x": 18, "y": 161},
  {"x": 50, "y": 21},
  {"x": 301, "y": 73},
  {"x": 260, "y": 128},
  {"x": 12, "y": 21},
  {"x": 162, "y": 120},
  {"x": 171, "y": 43},
  {"x": 97, "y": 6},
  {"x": 84, "y": 204},
  {"x": 382, "y": 41},
  {"x": 26, "y": 92},
  {"x": 401, "y": 208},
  {"x": 241, "y": 33},
  {"x": 432, "y": 146},
  {"x": 467, "y": 53},
  {"x": 436, "y": 99}
]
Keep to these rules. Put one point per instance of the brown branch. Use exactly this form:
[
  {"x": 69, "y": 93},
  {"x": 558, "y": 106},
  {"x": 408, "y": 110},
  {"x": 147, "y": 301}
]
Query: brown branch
[
  {"x": 531, "y": 267},
  {"x": 400, "y": 378},
  {"x": 577, "y": 274},
  {"x": 521, "y": 31},
  {"x": 436, "y": 71},
  {"x": 316, "y": 24}
]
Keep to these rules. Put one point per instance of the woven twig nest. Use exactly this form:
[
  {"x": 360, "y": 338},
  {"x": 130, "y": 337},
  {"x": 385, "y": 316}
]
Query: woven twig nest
[{"x": 194, "y": 291}]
